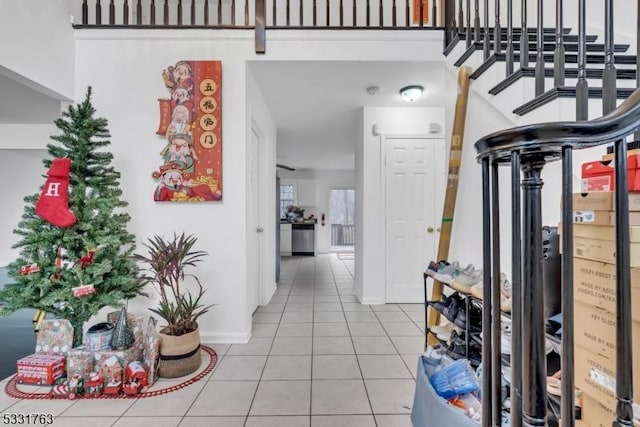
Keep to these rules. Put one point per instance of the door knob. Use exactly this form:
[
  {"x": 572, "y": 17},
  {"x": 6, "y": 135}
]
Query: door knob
[
  {"x": 259, "y": 229},
  {"x": 430, "y": 230}
]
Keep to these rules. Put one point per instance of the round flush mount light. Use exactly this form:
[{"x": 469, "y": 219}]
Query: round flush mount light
[{"x": 411, "y": 93}]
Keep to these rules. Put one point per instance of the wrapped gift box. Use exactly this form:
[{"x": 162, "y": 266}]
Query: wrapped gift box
[
  {"x": 79, "y": 361},
  {"x": 151, "y": 351},
  {"x": 55, "y": 336},
  {"x": 136, "y": 324},
  {"x": 40, "y": 369},
  {"x": 124, "y": 356},
  {"x": 109, "y": 367}
]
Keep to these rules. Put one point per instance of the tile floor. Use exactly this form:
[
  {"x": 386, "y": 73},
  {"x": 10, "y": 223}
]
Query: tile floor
[{"x": 318, "y": 358}]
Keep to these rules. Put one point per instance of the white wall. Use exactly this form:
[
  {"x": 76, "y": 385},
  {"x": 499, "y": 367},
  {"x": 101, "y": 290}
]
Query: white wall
[
  {"x": 29, "y": 29},
  {"x": 370, "y": 217},
  {"x": 325, "y": 181},
  {"x": 24, "y": 172}
]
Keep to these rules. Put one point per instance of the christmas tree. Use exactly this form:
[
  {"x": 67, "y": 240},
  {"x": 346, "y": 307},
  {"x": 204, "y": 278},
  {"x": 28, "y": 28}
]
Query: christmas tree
[{"x": 75, "y": 251}]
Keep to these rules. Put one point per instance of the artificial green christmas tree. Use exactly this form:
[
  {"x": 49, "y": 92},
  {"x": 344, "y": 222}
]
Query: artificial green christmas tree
[{"x": 75, "y": 251}]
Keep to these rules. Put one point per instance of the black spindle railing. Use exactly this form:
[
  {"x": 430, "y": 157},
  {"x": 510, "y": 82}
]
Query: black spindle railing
[
  {"x": 152, "y": 12},
  {"x": 486, "y": 48},
  {"x": 112, "y": 13},
  {"x": 524, "y": 36},
  {"x": 496, "y": 356},
  {"x": 516, "y": 294},
  {"x": 165, "y": 12},
  {"x": 487, "y": 410},
  {"x": 125, "y": 13},
  {"x": 206, "y": 12},
  {"x": 497, "y": 36},
  {"x": 476, "y": 21},
  {"x": 85, "y": 12},
  {"x": 559, "y": 58},
  {"x": 468, "y": 37},
  {"x": 609, "y": 73},
  {"x": 582, "y": 87},
  {"x": 139, "y": 12},
  {"x": 98, "y": 12},
  {"x": 460, "y": 18},
  {"x": 192, "y": 12},
  {"x": 539, "y": 50},
  {"x": 179, "y": 12},
  {"x": 510, "y": 52}
]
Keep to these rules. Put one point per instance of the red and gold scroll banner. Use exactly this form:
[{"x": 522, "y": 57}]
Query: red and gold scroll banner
[
  {"x": 416, "y": 11},
  {"x": 191, "y": 125}
]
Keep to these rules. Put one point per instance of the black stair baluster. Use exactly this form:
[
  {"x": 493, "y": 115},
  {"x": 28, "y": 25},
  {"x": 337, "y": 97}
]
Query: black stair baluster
[
  {"x": 246, "y": 13},
  {"x": 637, "y": 134},
  {"x": 302, "y": 12},
  {"x": 220, "y": 13},
  {"x": 516, "y": 293},
  {"x": 486, "y": 47},
  {"x": 534, "y": 390},
  {"x": 558, "y": 58},
  {"x": 381, "y": 13},
  {"x": 460, "y": 18},
  {"x": 582, "y": 87},
  {"x": 624, "y": 349},
  {"x": 434, "y": 14},
  {"x": 407, "y": 13},
  {"x": 355, "y": 12},
  {"x": 568, "y": 402},
  {"x": 152, "y": 12},
  {"x": 421, "y": 13},
  {"x": 192, "y": 13},
  {"x": 476, "y": 21},
  {"x": 524, "y": 36},
  {"x": 125, "y": 13},
  {"x": 609, "y": 74},
  {"x": 394, "y": 14},
  {"x": 275, "y": 12},
  {"x": 85, "y": 12},
  {"x": 496, "y": 362},
  {"x": 510, "y": 53},
  {"x": 98, "y": 12},
  {"x": 165, "y": 13},
  {"x": 540, "y": 50},
  {"x": 139, "y": 13},
  {"x": 112, "y": 13},
  {"x": 486, "y": 295},
  {"x": 369, "y": 11},
  {"x": 206, "y": 12},
  {"x": 497, "y": 39},
  {"x": 328, "y": 13},
  {"x": 288, "y": 13},
  {"x": 454, "y": 25},
  {"x": 179, "y": 9},
  {"x": 468, "y": 37},
  {"x": 233, "y": 13}
]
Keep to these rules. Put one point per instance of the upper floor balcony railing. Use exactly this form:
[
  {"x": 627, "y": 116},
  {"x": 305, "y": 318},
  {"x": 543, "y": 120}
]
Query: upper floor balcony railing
[{"x": 265, "y": 14}]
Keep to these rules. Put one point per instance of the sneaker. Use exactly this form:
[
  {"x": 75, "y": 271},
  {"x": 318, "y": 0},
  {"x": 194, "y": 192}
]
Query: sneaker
[
  {"x": 463, "y": 282},
  {"x": 443, "y": 332},
  {"x": 505, "y": 294}
]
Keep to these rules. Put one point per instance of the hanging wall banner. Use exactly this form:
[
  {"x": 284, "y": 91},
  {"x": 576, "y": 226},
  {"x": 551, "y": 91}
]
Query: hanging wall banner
[{"x": 191, "y": 130}]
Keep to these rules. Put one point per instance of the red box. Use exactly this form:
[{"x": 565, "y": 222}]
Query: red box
[
  {"x": 599, "y": 176},
  {"x": 40, "y": 369}
]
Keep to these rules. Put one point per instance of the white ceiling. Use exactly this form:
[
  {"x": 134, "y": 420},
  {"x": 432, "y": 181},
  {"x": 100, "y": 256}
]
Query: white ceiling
[{"x": 315, "y": 104}]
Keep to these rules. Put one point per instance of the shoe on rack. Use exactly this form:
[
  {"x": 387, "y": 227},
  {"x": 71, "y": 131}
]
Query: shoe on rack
[
  {"x": 475, "y": 321},
  {"x": 454, "y": 309},
  {"x": 505, "y": 294},
  {"x": 463, "y": 282},
  {"x": 443, "y": 332}
]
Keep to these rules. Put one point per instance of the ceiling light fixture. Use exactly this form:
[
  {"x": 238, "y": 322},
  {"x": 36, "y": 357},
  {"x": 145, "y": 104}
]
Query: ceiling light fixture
[{"x": 411, "y": 93}]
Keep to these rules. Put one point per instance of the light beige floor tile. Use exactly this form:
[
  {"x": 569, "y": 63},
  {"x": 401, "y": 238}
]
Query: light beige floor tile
[
  {"x": 84, "y": 421},
  {"x": 6, "y": 401},
  {"x": 267, "y": 317},
  {"x": 366, "y": 329},
  {"x": 411, "y": 360},
  {"x": 373, "y": 345},
  {"x": 336, "y": 367},
  {"x": 385, "y": 307},
  {"x": 354, "y": 306},
  {"x": 402, "y": 329},
  {"x": 224, "y": 398},
  {"x": 332, "y": 397},
  {"x": 291, "y": 346},
  {"x": 295, "y": 330},
  {"x": 278, "y": 299},
  {"x": 412, "y": 307},
  {"x": 147, "y": 421},
  {"x": 293, "y": 306},
  {"x": 392, "y": 316},
  {"x": 287, "y": 368},
  {"x": 300, "y": 299},
  {"x": 278, "y": 421},
  {"x": 330, "y": 329},
  {"x": 391, "y": 396},
  {"x": 409, "y": 344},
  {"x": 329, "y": 317},
  {"x": 393, "y": 420},
  {"x": 271, "y": 308},
  {"x": 220, "y": 349},
  {"x": 42, "y": 406},
  {"x": 175, "y": 403},
  {"x": 380, "y": 366},
  {"x": 349, "y": 298},
  {"x": 212, "y": 422},
  {"x": 282, "y": 398},
  {"x": 327, "y": 306},
  {"x": 255, "y": 347},
  {"x": 342, "y": 421},
  {"x": 240, "y": 368},
  {"x": 100, "y": 408},
  {"x": 264, "y": 330},
  {"x": 360, "y": 316},
  {"x": 416, "y": 316},
  {"x": 327, "y": 297},
  {"x": 332, "y": 345},
  {"x": 297, "y": 317}
]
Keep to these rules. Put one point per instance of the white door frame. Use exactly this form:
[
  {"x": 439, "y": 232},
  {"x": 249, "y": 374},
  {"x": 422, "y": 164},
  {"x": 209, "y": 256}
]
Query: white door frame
[
  {"x": 261, "y": 218},
  {"x": 383, "y": 184}
]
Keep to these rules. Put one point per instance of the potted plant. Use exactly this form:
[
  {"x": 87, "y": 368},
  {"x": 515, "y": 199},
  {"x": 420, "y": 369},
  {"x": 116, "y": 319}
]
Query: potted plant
[{"x": 168, "y": 260}]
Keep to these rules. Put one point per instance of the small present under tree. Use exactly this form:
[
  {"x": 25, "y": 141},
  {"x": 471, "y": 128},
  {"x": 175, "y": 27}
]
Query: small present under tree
[{"x": 75, "y": 251}]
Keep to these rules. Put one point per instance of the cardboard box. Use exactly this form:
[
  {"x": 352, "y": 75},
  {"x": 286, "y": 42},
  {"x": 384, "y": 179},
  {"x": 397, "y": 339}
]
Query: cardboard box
[
  {"x": 602, "y": 201},
  {"x": 594, "y": 283},
  {"x": 602, "y": 218},
  {"x": 602, "y": 250},
  {"x": 41, "y": 369},
  {"x": 595, "y": 376},
  {"x": 603, "y": 232},
  {"x": 600, "y": 175},
  {"x": 596, "y": 414},
  {"x": 595, "y": 330}
]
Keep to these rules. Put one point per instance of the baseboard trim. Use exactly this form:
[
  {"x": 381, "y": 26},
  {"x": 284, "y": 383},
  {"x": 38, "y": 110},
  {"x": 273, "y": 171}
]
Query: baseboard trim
[
  {"x": 225, "y": 338},
  {"x": 270, "y": 292}
]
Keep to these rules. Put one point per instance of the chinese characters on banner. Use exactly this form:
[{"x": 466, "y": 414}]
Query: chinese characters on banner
[{"x": 190, "y": 124}]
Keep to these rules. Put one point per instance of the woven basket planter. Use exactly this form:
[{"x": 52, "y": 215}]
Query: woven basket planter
[{"x": 179, "y": 355}]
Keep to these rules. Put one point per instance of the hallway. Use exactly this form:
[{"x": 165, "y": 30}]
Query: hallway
[{"x": 317, "y": 358}]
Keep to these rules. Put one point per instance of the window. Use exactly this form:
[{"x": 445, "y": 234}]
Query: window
[{"x": 286, "y": 198}]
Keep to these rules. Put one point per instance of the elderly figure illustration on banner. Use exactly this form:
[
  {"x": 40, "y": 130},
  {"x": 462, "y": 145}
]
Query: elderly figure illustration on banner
[{"x": 190, "y": 126}]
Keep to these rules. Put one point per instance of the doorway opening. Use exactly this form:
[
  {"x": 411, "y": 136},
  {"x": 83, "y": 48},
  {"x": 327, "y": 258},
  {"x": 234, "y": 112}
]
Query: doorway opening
[{"x": 343, "y": 229}]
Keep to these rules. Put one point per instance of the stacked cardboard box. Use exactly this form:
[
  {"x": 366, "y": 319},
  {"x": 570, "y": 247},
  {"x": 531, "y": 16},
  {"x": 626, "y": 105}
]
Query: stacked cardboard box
[{"x": 595, "y": 302}]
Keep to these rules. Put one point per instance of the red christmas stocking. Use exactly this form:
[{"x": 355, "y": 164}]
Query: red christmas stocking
[{"x": 53, "y": 204}]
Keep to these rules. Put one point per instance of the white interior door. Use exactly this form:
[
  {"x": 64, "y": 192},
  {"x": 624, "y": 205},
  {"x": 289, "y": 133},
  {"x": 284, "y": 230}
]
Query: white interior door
[
  {"x": 256, "y": 230},
  {"x": 414, "y": 193}
]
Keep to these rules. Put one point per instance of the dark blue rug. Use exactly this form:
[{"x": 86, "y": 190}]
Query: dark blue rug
[{"x": 16, "y": 335}]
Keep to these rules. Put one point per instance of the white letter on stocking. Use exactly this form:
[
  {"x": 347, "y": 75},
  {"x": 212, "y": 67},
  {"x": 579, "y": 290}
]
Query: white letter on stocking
[{"x": 52, "y": 190}]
